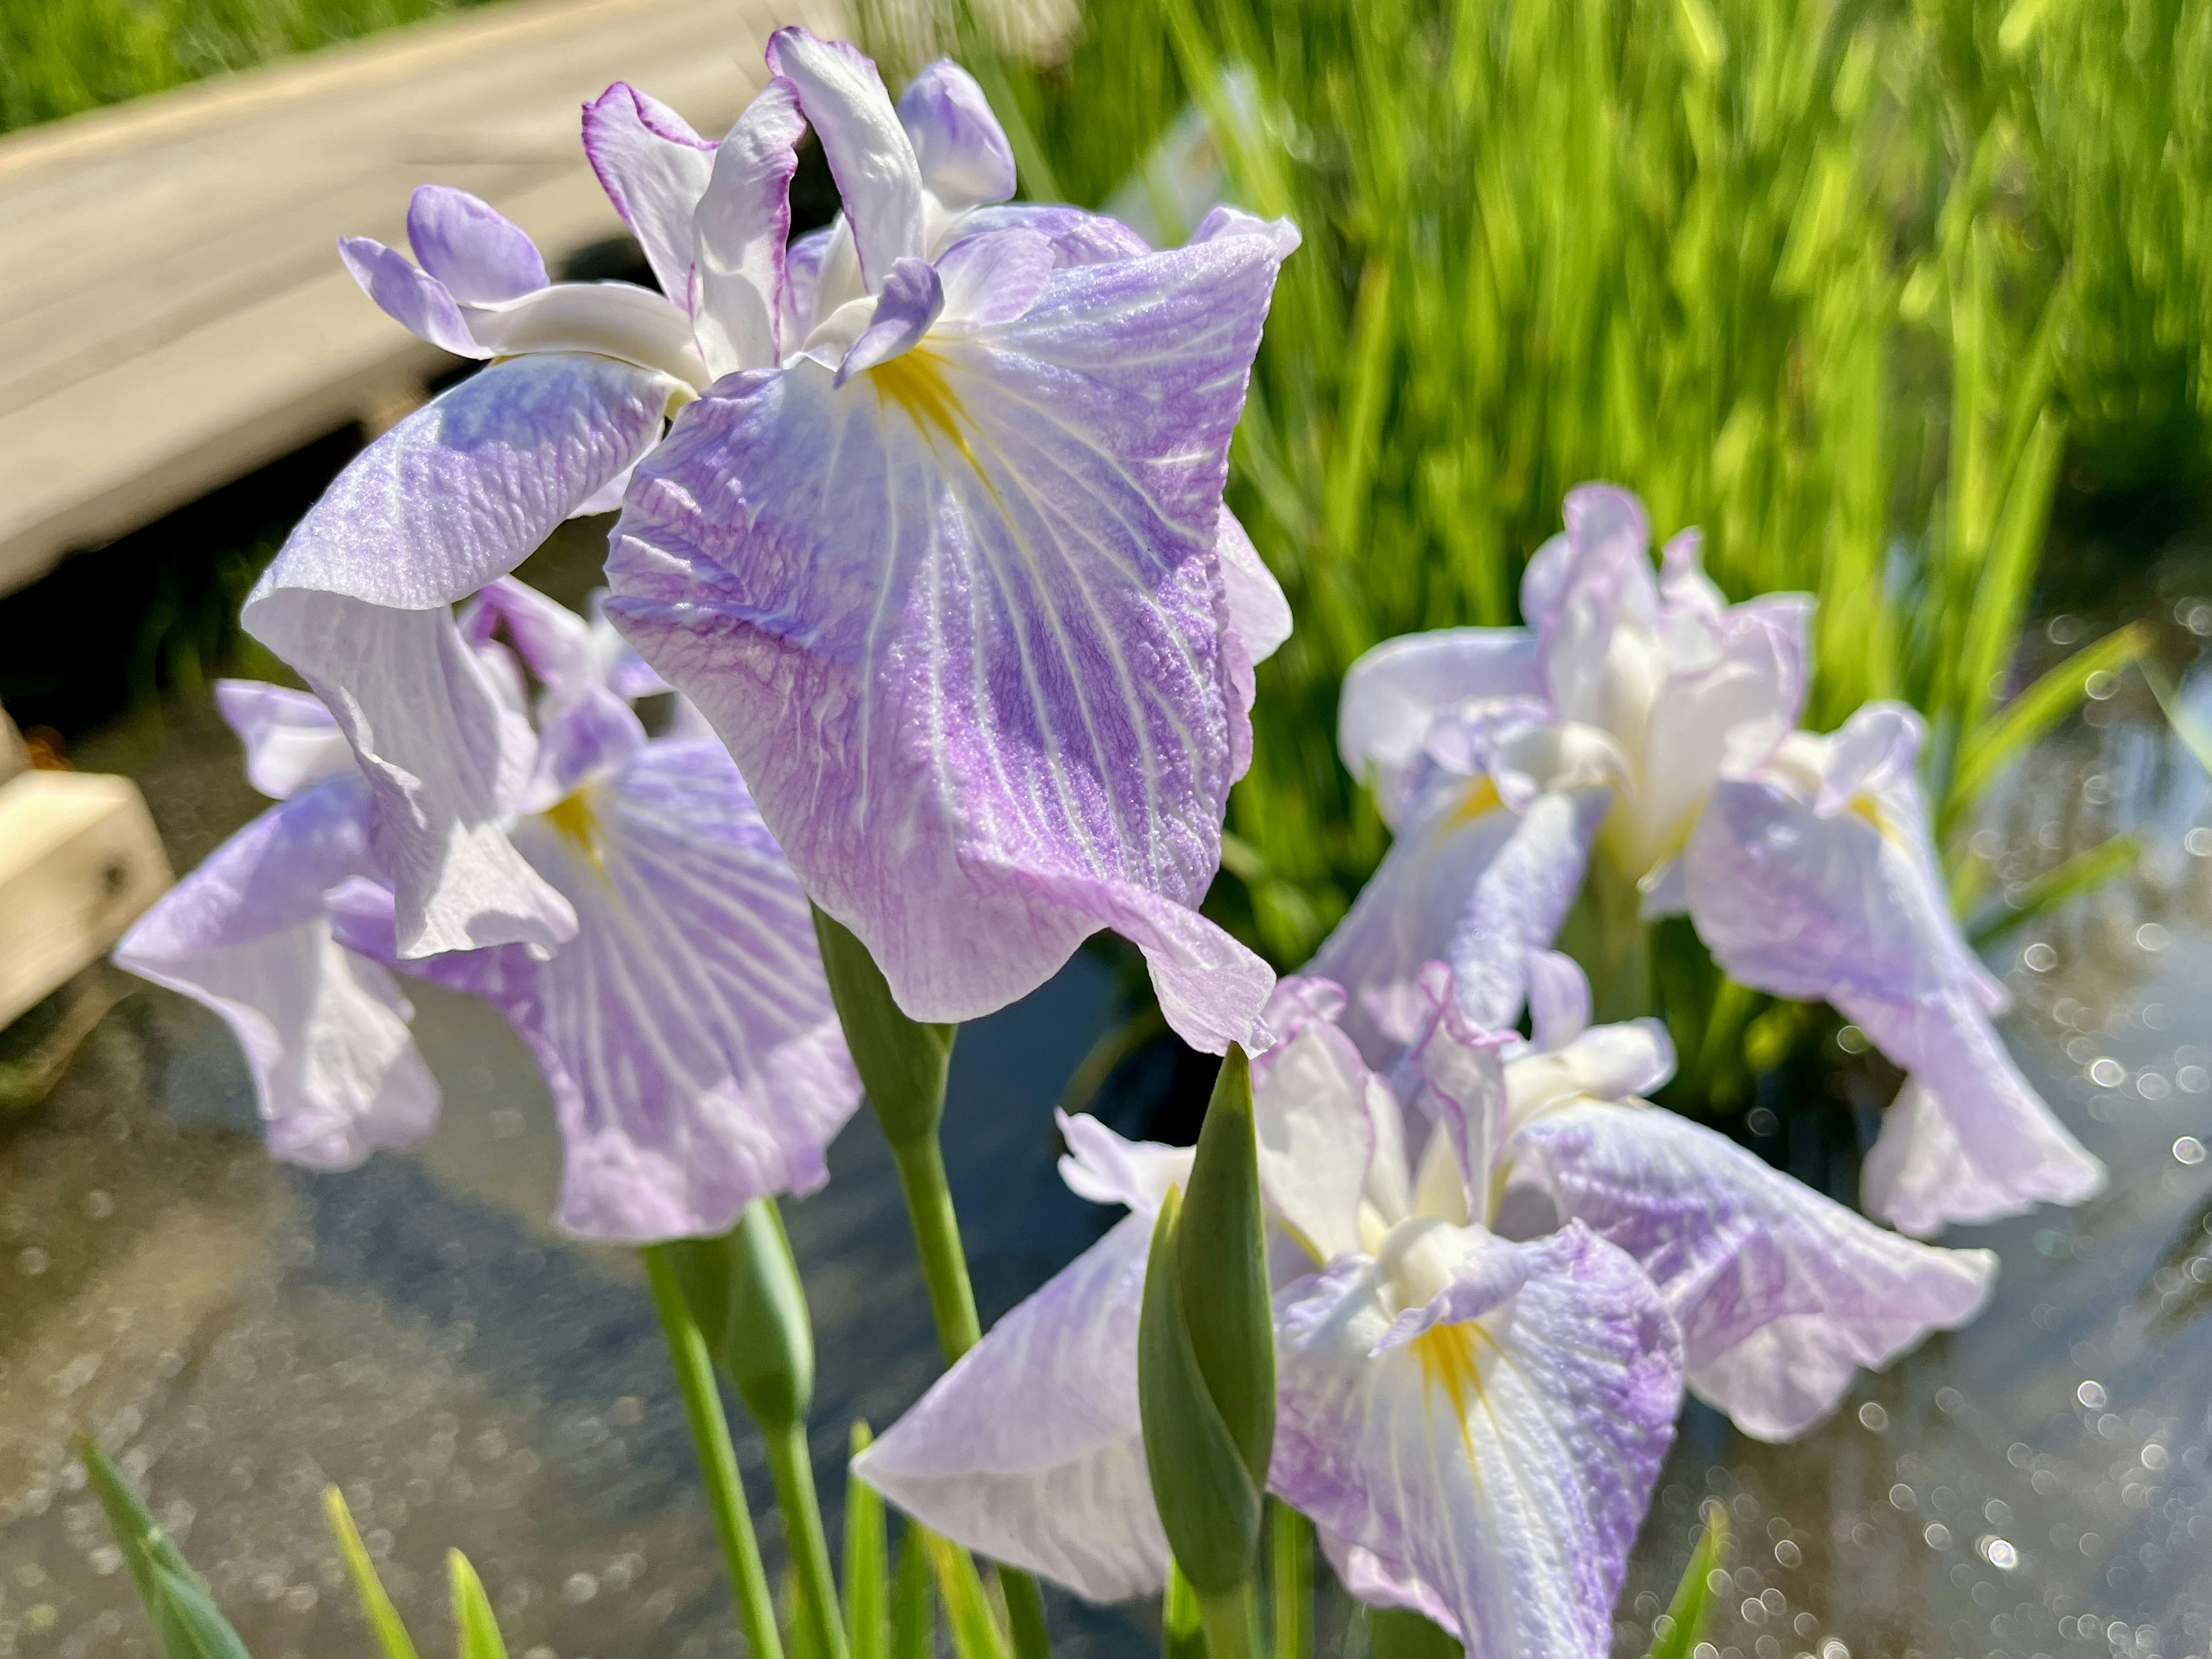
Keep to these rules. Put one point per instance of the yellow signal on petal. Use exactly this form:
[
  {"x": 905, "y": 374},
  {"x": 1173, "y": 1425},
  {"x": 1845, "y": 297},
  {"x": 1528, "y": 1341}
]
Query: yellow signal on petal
[
  {"x": 915, "y": 381},
  {"x": 1450, "y": 1367},
  {"x": 573, "y": 817},
  {"x": 1481, "y": 799}
]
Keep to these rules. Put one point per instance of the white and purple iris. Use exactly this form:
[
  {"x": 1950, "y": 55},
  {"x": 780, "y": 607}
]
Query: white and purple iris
[
  {"x": 1495, "y": 1271},
  {"x": 1646, "y": 726},
  {"x": 935, "y": 540},
  {"x": 684, "y": 1030}
]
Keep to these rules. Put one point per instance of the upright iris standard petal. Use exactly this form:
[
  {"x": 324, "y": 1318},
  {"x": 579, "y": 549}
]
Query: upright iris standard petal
[
  {"x": 965, "y": 157},
  {"x": 1782, "y": 1294},
  {"x": 686, "y": 1031},
  {"x": 1030, "y": 1448},
  {"x": 958, "y": 620},
  {"x": 452, "y": 497},
  {"x": 1815, "y": 878},
  {"x": 1501, "y": 1460},
  {"x": 290, "y": 739},
  {"x": 475, "y": 253},
  {"x": 738, "y": 234},
  {"x": 654, "y": 169},
  {"x": 878, "y": 176},
  {"x": 335, "y": 1073}
]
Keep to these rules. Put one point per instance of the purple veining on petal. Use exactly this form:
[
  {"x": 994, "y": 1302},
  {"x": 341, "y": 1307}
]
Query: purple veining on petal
[
  {"x": 1782, "y": 1294},
  {"x": 878, "y": 177},
  {"x": 1504, "y": 1463},
  {"x": 743, "y": 223},
  {"x": 974, "y": 669},
  {"x": 686, "y": 1032}
]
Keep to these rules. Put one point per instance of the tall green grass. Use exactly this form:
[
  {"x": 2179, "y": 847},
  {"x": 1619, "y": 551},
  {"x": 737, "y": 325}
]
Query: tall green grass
[
  {"x": 59, "y": 57},
  {"x": 1848, "y": 285}
]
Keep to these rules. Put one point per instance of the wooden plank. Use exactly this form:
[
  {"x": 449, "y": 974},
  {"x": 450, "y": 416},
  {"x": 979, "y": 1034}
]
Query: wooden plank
[
  {"x": 79, "y": 861},
  {"x": 184, "y": 318}
]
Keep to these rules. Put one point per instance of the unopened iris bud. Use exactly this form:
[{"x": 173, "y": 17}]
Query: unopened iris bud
[
  {"x": 743, "y": 1292},
  {"x": 1206, "y": 1366},
  {"x": 902, "y": 1062}
]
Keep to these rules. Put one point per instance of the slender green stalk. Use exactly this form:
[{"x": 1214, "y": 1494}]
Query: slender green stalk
[
  {"x": 793, "y": 1470},
  {"x": 718, "y": 1458},
  {"x": 1290, "y": 1580},
  {"x": 1226, "y": 1617},
  {"x": 937, "y": 1243}
]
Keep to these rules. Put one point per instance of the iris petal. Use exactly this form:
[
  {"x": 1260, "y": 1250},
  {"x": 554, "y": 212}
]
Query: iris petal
[
  {"x": 1503, "y": 1462},
  {"x": 336, "y": 1071},
  {"x": 654, "y": 169},
  {"x": 1030, "y": 1448},
  {"x": 958, "y": 621},
  {"x": 1782, "y": 1294}
]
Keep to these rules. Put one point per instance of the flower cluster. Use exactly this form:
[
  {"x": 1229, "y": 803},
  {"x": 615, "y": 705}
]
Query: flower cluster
[{"x": 922, "y": 525}]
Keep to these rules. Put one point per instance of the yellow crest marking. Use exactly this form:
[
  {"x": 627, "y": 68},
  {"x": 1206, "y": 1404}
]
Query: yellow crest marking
[
  {"x": 1482, "y": 797},
  {"x": 573, "y": 817},
  {"x": 1449, "y": 1366},
  {"x": 915, "y": 381}
]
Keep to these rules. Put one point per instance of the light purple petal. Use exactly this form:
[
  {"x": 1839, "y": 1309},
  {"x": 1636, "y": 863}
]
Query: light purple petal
[
  {"x": 1847, "y": 906},
  {"x": 1558, "y": 999},
  {"x": 1393, "y": 694},
  {"x": 1505, "y": 1462},
  {"x": 585, "y": 733},
  {"x": 742, "y": 226},
  {"x": 411, "y": 297},
  {"x": 477, "y": 256},
  {"x": 335, "y": 1073},
  {"x": 1257, "y": 609},
  {"x": 553, "y": 642},
  {"x": 1916, "y": 1177},
  {"x": 1782, "y": 1294},
  {"x": 1467, "y": 881},
  {"x": 447, "y": 756},
  {"x": 466, "y": 487},
  {"x": 290, "y": 739},
  {"x": 994, "y": 279},
  {"x": 958, "y": 621},
  {"x": 1582, "y": 582},
  {"x": 1100, "y": 1166},
  {"x": 621, "y": 321},
  {"x": 1078, "y": 237},
  {"x": 912, "y": 297},
  {"x": 1315, "y": 1138},
  {"x": 1030, "y": 1450},
  {"x": 654, "y": 169},
  {"x": 870, "y": 155},
  {"x": 686, "y": 1032},
  {"x": 964, "y": 156},
  {"x": 1368, "y": 1578},
  {"x": 1222, "y": 220}
]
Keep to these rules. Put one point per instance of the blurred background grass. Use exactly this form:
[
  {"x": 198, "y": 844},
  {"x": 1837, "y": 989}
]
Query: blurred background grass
[
  {"x": 1852, "y": 286},
  {"x": 57, "y": 56}
]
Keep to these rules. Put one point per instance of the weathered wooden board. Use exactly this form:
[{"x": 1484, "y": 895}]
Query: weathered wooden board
[
  {"x": 172, "y": 310},
  {"x": 79, "y": 860}
]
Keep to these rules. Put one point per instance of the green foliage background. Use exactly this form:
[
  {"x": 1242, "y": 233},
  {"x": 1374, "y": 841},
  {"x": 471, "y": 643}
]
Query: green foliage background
[{"x": 1845, "y": 284}]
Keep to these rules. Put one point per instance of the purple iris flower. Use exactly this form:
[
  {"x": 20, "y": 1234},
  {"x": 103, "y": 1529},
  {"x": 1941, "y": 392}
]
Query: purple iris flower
[
  {"x": 1640, "y": 730},
  {"x": 1472, "y": 1421},
  {"x": 945, "y": 560},
  {"x": 684, "y": 1030},
  {"x": 1813, "y": 875},
  {"x": 941, "y": 551}
]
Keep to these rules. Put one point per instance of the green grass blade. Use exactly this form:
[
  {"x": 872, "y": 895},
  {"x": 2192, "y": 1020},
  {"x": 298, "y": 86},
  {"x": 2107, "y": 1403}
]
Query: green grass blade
[
  {"x": 913, "y": 1608},
  {"x": 1290, "y": 1580},
  {"x": 391, "y": 1637},
  {"x": 176, "y": 1599},
  {"x": 1181, "y": 1634},
  {"x": 2192, "y": 731},
  {"x": 2082, "y": 873},
  {"x": 2001, "y": 595},
  {"x": 476, "y": 1632},
  {"x": 1684, "y": 1622},
  {"x": 976, "y": 1633},
  {"x": 2009, "y": 732},
  {"x": 867, "y": 1550}
]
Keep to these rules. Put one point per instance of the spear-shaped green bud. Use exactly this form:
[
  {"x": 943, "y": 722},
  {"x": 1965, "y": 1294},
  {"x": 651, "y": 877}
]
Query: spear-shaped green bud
[
  {"x": 743, "y": 1293},
  {"x": 902, "y": 1062},
  {"x": 1206, "y": 1364}
]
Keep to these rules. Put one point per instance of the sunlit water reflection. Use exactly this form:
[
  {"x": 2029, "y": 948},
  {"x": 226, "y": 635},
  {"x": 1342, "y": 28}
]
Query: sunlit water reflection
[{"x": 415, "y": 1332}]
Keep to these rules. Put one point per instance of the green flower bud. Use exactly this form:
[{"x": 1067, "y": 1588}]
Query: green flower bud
[
  {"x": 743, "y": 1292},
  {"x": 1206, "y": 1365}
]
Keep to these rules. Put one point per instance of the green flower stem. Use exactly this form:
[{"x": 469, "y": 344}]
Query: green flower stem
[
  {"x": 1226, "y": 1617},
  {"x": 1291, "y": 1579},
  {"x": 792, "y": 1469},
  {"x": 718, "y": 1458},
  {"x": 904, "y": 1065}
]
